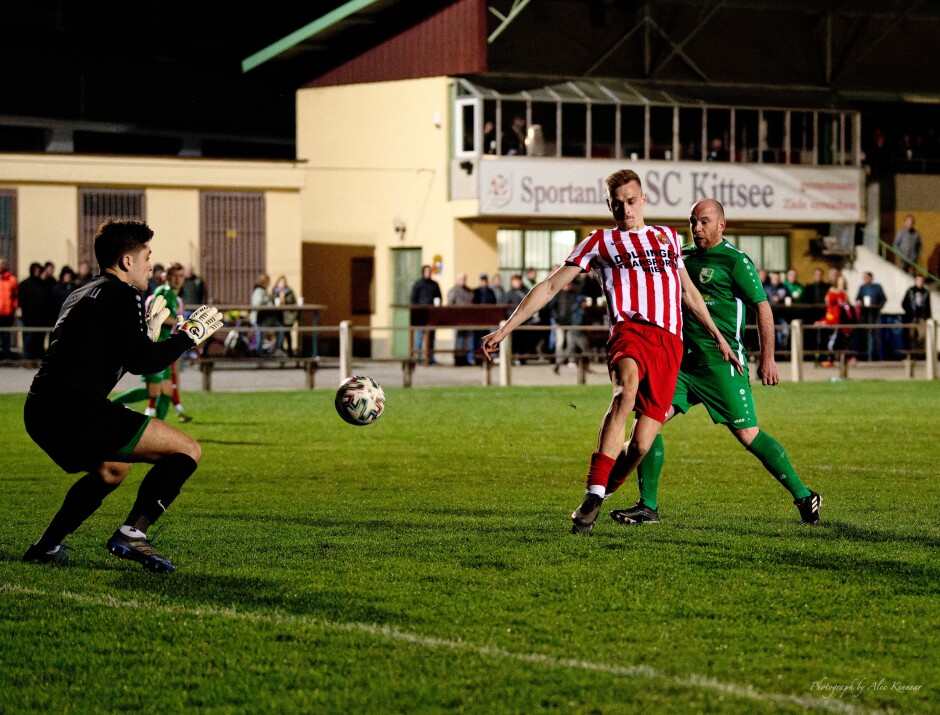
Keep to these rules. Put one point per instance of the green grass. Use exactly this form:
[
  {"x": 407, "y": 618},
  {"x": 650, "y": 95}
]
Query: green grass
[{"x": 423, "y": 564}]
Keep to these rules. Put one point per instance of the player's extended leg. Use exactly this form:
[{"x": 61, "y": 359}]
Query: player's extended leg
[
  {"x": 645, "y": 453},
  {"x": 81, "y": 501},
  {"x": 137, "y": 394},
  {"x": 775, "y": 460},
  {"x": 625, "y": 379},
  {"x": 175, "y": 456},
  {"x": 177, "y": 403}
]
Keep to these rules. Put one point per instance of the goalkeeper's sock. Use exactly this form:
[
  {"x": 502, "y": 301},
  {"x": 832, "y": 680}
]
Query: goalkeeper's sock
[
  {"x": 138, "y": 394},
  {"x": 163, "y": 405},
  {"x": 159, "y": 488},
  {"x": 774, "y": 458},
  {"x": 178, "y": 407},
  {"x": 648, "y": 471},
  {"x": 598, "y": 473},
  {"x": 81, "y": 501}
]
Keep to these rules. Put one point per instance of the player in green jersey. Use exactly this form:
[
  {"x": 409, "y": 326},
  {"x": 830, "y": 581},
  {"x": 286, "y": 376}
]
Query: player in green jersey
[
  {"x": 162, "y": 388},
  {"x": 728, "y": 282}
]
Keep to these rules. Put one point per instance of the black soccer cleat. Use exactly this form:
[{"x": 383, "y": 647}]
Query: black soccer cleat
[
  {"x": 809, "y": 508},
  {"x": 139, "y": 550},
  {"x": 637, "y": 514},
  {"x": 58, "y": 554},
  {"x": 583, "y": 518}
]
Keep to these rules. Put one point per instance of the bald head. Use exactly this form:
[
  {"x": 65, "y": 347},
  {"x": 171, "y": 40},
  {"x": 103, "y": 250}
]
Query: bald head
[{"x": 707, "y": 223}]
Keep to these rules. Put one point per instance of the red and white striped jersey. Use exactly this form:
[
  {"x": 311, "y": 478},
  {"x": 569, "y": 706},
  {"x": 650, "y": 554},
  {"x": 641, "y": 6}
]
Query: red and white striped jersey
[{"x": 639, "y": 271}]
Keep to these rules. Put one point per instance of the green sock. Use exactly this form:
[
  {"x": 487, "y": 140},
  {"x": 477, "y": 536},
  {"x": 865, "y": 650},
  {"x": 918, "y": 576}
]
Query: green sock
[
  {"x": 136, "y": 395},
  {"x": 163, "y": 405},
  {"x": 774, "y": 458},
  {"x": 647, "y": 472}
]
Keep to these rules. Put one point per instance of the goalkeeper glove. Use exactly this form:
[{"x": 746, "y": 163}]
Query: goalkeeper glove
[
  {"x": 156, "y": 314},
  {"x": 202, "y": 323}
]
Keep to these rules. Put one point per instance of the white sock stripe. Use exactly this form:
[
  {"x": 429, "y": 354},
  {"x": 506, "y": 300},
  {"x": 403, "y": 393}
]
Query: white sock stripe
[{"x": 693, "y": 680}]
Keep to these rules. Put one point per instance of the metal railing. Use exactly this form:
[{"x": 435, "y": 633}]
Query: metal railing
[{"x": 796, "y": 353}]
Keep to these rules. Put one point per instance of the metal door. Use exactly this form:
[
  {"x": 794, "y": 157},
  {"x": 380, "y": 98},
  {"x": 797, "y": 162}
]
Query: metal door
[{"x": 406, "y": 269}]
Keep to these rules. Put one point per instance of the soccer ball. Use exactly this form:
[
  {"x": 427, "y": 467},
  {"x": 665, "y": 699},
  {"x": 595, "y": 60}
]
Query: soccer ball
[{"x": 360, "y": 400}]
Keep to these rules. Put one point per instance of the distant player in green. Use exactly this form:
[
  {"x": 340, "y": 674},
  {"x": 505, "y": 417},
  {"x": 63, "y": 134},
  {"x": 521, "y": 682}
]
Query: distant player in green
[
  {"x": 728, "y": 282},
  {"x": 162, "y": 387}
]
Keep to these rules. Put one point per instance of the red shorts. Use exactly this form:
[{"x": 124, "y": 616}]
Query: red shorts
[{"x": 658, "y": 354}]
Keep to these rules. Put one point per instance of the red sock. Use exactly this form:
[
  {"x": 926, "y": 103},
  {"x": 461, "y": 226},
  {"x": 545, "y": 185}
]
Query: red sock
[
  {"x": 152, "y": 403},
  {"x": 176, "y": 387},
  {"x": 618, "y": 475},
  {"x": 599, "y": 471}
]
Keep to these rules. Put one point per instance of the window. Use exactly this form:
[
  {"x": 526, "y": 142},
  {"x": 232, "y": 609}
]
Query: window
[
  {"x": 542, "y": 250},
  {"x": 8, "y": 227},
  {"x": 466, "y": 129},
  {"x": 768, "y": 252},
  {"x": 97, "y": 205},
  {"x": 233, "y": 243}
]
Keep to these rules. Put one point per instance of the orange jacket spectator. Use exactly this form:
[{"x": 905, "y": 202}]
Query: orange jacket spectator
[
  {"x": 9, "y": 291},
  {"x": 9, "y": 302}
]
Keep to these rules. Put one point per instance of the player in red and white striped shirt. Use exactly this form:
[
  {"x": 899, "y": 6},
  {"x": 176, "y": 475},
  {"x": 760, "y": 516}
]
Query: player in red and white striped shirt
[{"x": 644, "y": 279}]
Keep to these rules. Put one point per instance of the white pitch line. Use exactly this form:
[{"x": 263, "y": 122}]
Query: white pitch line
[{"x": 693, "y": 680}]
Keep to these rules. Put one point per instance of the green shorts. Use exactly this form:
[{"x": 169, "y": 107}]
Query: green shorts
[
  {"x": 726, "y": 394},
  {"x": 159, "y": 377}
]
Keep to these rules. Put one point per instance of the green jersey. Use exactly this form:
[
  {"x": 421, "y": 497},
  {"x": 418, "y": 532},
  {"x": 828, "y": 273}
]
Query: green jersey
[{"x": 729, "y": 283}]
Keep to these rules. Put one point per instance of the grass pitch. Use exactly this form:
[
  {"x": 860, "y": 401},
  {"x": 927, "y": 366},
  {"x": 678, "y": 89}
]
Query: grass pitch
[{"x": 424, "y": 564}]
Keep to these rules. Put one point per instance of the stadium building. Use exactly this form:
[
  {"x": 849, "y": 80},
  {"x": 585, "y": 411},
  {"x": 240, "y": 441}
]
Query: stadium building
[{"x": 407, "y": 153}]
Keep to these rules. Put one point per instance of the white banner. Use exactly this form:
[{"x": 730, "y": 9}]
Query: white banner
[{"x": 522, "y": 186}]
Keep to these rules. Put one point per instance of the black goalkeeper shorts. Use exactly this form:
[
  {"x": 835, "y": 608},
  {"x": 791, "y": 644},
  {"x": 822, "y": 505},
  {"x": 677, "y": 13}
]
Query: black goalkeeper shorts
[{"x": 102, "y": 431}]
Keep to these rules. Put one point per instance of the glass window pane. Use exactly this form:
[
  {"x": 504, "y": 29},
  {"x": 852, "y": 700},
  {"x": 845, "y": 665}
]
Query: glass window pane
[
  {"x": 632, "y": 128},
  {"x": 509, "y": 248},
  {"x": 513, "y": 112},
  {"x": 752, "y": 246},
  {"x": 775, "y": 253},
  {"x": 563, "y": 243},
  {"x": 774, "y": 131},
  {"x": 603, "y": 142},
  {"x": 801, "y": 137},
  {"x": 545, "y": 116},
  {"x": 746, "y": 135},
  {"x": 660, "y": 132},
  {"x": 719, "y": 134},
  {"x": 690, "y": 134},
  {"x": 466, "y": 128},
  {"x": 573, "y": 129},
  {"x": 537, "y": 251},
  {"x": 489, "y": 126}
]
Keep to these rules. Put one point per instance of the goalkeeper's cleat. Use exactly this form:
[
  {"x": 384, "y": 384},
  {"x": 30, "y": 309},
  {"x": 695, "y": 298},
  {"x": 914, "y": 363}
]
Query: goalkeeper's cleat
[
  {"x": 139, "y": 550},
  {"x": 58, "y": 554},
  {"x": 183, "y": 417},
  {"x": 809, "y": 508},
  {"x": 583, "y": 518},
  {"x": 637, "y": 514}
]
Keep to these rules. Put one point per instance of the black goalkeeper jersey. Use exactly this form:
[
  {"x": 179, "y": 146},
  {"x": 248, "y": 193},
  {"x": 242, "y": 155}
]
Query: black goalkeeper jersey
[{"x": 100, "y": 334}]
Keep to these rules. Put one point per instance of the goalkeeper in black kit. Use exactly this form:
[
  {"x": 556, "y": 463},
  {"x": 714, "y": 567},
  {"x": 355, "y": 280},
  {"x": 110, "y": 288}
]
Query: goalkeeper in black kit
[{"x": 102, "y": 332}]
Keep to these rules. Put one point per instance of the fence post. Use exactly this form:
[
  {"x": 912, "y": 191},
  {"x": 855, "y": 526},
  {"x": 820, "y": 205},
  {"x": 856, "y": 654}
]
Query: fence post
[
  {"x": 505, "y": 359},
  {"x": 796, "y": 350},
  {"x": 345, "y": 349},
  {"x": 930, "y": 349}
]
